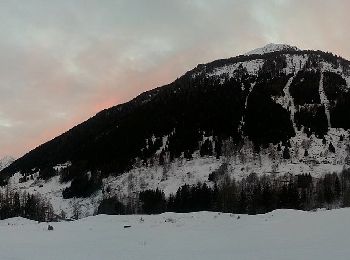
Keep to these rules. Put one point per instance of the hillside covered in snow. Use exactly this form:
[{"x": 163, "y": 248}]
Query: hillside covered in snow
[{"x": 276, "y": 111}]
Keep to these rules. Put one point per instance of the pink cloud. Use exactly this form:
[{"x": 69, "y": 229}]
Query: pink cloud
[{"x": 62, "y": 63}]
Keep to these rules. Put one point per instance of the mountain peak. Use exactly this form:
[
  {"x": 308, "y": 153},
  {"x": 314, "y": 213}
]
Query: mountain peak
[{"x": 272, "y": 47}]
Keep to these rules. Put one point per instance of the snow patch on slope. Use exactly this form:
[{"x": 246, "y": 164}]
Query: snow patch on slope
[
  {"x": 288, "y": 101},
  {"x": 167, "y": 177},
  {"x": 324, "y": 100},
  {"x": 294, "y": 64},
  {"x": 52, "y": 191},
  {"x": 252, "y": 67}
]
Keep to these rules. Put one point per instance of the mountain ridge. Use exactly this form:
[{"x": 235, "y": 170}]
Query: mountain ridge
[
  {"x": 276, "y": 112},
  {"x": 206, "y": 68},
  {"x": 272, "y": 47}
]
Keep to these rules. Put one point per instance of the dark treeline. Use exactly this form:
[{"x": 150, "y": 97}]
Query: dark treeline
[
  {"x": 314, "y": 120},
  {"x": 339, "y": 97},
  {"x": 82, "y": 186},
  {"x": 304, "y": 88},
  {"x": 16, "y": 204},
  {"x": 251, "y": 195}
]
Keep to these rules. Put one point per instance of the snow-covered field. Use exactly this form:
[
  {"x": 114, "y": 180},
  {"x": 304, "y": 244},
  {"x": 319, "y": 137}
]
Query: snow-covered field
[{"x": 281, "y": 234}]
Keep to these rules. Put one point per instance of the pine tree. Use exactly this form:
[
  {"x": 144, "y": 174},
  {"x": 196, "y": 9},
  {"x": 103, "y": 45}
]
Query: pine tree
[
  {"x": 286, "y": 154},
  {"x": 331, "y": 148}
]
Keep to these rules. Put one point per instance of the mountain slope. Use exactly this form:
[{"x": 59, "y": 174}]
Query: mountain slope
[{"x": 276, "y": 109}]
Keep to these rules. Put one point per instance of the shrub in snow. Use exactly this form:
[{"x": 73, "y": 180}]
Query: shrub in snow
[
  {"x": 286, "y": 154},
  {"x": 111, "y": 206}
]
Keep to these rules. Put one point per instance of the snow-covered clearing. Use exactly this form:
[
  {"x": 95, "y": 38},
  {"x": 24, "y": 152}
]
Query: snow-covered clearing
[{"x": 281, "y": 234}]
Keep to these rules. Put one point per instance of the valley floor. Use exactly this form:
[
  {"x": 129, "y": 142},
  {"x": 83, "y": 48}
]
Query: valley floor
[{"x": 281, "y": 234}]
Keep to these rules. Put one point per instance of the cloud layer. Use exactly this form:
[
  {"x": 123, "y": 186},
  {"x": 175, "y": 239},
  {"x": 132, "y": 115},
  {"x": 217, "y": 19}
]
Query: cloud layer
[{"x": 63, "y": 61}]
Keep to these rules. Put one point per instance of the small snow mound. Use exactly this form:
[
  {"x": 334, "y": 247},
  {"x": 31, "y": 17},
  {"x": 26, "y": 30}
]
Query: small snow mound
[
  {"x": 272, "y": 47},
  {"x": 287, "y": 213},
  {"x": 17, "y": 221}
]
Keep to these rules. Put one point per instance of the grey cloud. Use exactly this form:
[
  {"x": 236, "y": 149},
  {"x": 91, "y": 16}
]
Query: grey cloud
[{"x": 63, "y": 61}]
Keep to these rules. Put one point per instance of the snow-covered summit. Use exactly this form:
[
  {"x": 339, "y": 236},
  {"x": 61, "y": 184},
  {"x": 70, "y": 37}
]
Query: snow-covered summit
[{"x": 272, "y": 47}]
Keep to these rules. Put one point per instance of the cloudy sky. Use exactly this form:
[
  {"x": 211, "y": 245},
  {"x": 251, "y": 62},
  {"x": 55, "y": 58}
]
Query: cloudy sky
[{"x": 63, "y": 61}]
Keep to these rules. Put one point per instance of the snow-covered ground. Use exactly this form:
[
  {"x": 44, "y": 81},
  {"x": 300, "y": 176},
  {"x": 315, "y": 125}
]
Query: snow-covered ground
[{"x": 281, "y": 234}]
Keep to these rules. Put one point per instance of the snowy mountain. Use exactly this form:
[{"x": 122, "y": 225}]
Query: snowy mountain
[
  {"x": 272, "y": 47},
  {"x": 275, "y": 110}
]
